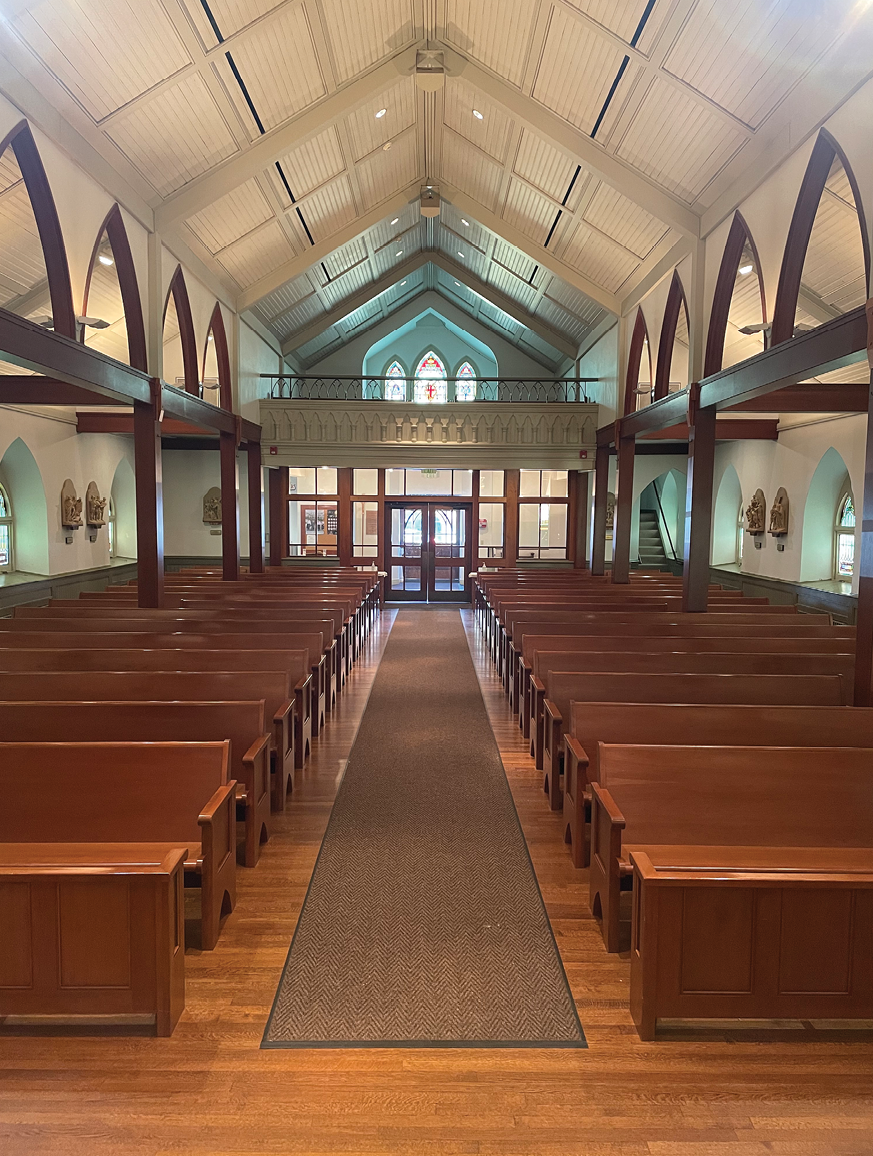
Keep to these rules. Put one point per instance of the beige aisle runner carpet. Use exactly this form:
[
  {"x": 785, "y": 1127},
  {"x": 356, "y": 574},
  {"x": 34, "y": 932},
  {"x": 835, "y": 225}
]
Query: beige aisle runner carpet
[{"x": 423, "y": 924}]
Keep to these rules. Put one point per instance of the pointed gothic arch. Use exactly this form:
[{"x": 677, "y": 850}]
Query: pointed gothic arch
[
  {"x": 824, "y": 153},
  {"x": 739, "y": 241},
  {"x": 223, "y": 396},
  {"x": 639, "y": 340},
  {"x": 676, "y": 302},
  {"x": 20, "y": 140},
  {"x": 178, "y": 291},
  {"x": 113, "y": 228}
]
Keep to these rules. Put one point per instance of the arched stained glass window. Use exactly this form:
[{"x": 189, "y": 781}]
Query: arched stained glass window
[
  {"x": 465, "y": 385},
  {"x": 430, "y": 380},
  {"x": 395, "y": 387},
  {"x": 5, "y": 532},
  {"x": 844, "y": 546}
]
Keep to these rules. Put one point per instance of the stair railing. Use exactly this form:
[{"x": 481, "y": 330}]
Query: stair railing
[{"x": 663, "y": 521}]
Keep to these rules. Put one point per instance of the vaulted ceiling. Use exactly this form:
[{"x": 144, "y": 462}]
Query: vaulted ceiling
[{"x": 577, "y": 144}]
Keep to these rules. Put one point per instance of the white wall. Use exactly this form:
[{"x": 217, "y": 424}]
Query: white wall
[
  {"x": 188, "y": 475},
  {"x": 255, "y": 357},
  {"x": 601, "y": 362}
]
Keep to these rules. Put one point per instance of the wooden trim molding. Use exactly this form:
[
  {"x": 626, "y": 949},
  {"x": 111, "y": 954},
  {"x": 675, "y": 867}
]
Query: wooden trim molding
[
  {"x": 222, "y": 356},
  {"x": 639, "y": 337},
  {"x": 824, "y": 152},
  {"x": 179, "y": 292},
  {"x": 676, "y": 300},
  {"x": 113, "y": 227},
  {"x": 48, "y": 225},
  {"x": 738, "y": 236}
]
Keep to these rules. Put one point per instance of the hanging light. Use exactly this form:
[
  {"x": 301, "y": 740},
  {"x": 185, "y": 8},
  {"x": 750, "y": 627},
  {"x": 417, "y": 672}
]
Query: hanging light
[
  {"x": 104, "y": 260},
  {"x": 745, "y": 270}
]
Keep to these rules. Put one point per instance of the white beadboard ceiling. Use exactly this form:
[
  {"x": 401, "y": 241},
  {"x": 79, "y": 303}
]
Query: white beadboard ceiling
[{"x": 178, "y": 93}]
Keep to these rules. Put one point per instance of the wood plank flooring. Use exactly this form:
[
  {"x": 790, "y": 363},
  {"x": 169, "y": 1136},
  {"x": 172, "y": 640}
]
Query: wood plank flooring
[{"x": 211, "y": 1091}]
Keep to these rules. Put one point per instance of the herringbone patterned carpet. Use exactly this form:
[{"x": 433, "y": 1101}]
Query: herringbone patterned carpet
[{"x": 424, "y": 924}]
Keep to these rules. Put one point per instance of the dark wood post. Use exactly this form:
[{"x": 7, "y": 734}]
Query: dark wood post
[
  {"x": 624, "y": 505},
  {"x": 149, "y": 499},
  {"x": 229, "y": 507},
  {"x": 510, "y": 521},
  {"x": 698, "y": 504},
  {"x": 864, "y": 624},
  {"x": 278, "y": 512},
  {"x": 474, "y": 525},
  {"x": 601, "y": 502},
  {"x": 583, "y": 503},
  {"x": 256, "y": 508},
  {"x": 344, "y": 515}
]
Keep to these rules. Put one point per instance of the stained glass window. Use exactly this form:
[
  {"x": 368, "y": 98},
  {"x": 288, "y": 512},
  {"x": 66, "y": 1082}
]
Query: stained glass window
[
  {"x": 465, "y": 385},
  {"x": 5, "y": 531},
  {"x": 844, "y": 566},
  {"x": 395, "y": 389},
  {"x": 430, "y": 380}
]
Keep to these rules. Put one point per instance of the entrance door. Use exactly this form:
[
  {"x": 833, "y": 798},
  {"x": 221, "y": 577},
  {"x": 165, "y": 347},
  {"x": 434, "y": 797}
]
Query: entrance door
[{"x": 428, "y": 551}]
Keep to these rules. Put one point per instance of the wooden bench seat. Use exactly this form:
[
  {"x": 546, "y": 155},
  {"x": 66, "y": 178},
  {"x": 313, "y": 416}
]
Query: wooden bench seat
[
  {"x": 750, "y": 933},
  {"x": 274, "y": 687},
  {"x": 711, "y": 724},
  {"x": 92, "y": 930},
  {"x": 753, "y": 796},
  {"x": 241, "y": 723},
  {"x": 175, "y": 793}
]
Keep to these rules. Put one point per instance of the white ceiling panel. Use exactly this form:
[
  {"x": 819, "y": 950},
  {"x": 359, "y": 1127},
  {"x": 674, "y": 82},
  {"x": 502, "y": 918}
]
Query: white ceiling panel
[
  {"x": 230, "y": 15},
  {"x": 329, "y": 208},
  {"x": 278, "y": 65},
  {"x": 471, "y": 170},
  {"x": 834, "y": 265},
  {"x": 319, "y": 346},
  {"x": 175, "y": 136},
  {"x": 361, "y": 316},
  {"x": 311, "y": 164},
  {"x": 599, "y": 258},
  {"x": 547, "y": 169},
  {"x": 628, "y": 224},
  {"x": 490, "y": 133},
  {"x": 574, "y": 302},
  {"x": 463, "y": 226},
  {"x": 576, "y": 72},
  {"x": 345, "y": 258},
  {"x": 501, "y": 278},
  {"x": 529, "y": 211},
  {"x": 622, "y": 16},
  {"x": 257, "y": 254},
  {"x": 495, "y": 32},
  {"x": 363, "y": 33},
  {"x": 231, "y": 216},
  {"x": 284, "y": 299},
  {"x": 21, "y": 260},
  {"x": 394, "y": 227},
  {"x": 382, "y": 174},
  {"x": 368, "y": 132},
  {"x": 105, "y": 52},
  {"x": 514, "y": 260},
  {"x": 679, "y": 142},
  {"x": 352, "y": 281}
]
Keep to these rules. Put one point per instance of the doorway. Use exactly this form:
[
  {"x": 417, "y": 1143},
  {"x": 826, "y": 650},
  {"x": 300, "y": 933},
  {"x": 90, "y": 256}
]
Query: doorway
[{"x": 429, "y": 553}]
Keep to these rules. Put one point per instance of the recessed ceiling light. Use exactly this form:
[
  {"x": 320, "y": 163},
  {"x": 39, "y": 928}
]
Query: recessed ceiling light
[
  {"x": 381, "y": 113},
  {"x": 746, "y": 269},
  {"x": 386, "y": 146},
  {"x": 460, "y": 254},
  {"x": 465, "y": 222},
  {"x": 400, "y": 254},
  {"x": 211, "y": 337},
  {"x": 478, "y": 115},
  {"x": 396, "y": 219},
  {"x": 105, "y": 260},
  {"x": 402, "y": 283},
  {"x": 458, "y": 283}
]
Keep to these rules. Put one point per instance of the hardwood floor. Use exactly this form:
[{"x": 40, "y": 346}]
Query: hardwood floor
[{"x": 211, "y": 1090}]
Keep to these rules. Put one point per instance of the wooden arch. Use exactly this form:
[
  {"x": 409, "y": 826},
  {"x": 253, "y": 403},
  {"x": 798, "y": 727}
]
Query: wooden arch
[
  {"x": 822, "y": 157},
  {"x": 676, "y": 300},
  {"x": 113, "y": 226},
  {"x": 21, "y": 141},
  {"x": 639, "y": 337},
  {"x": 222, "y": 356},
  {"x": 738, "y": 237},
  {"x": 179, "y": 292}
]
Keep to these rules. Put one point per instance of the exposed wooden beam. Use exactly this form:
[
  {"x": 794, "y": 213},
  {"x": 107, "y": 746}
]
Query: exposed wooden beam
[
  {"x": 122, "y": 423},
  {"x": 274, "y": 145},
  {"x": 809, "y": 398},
  {"x": 26, "y": 389},
  {"x": 731, "y": 430}
]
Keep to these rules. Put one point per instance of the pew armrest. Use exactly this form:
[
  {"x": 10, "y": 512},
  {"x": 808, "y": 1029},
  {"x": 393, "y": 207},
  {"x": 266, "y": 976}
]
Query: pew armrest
[
  {"x": 283, "y": 725},
  {"x": 606, "y": 806},
  {"x": 575, "y": 766},
  {"x": 217, "y": 821},
  {"x": 218, "y": 861},
  {"x": 303, "y": 697},
  {"x": 554, "y": 722}
]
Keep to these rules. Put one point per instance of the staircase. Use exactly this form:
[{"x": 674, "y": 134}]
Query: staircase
[{"x": 652, "y": 555}]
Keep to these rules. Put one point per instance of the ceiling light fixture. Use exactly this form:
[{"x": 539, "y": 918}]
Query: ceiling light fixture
[
  {"x": 402, "y": 283},
  {"x": 478, "y": 115},
  {"x": 400, "y": 254},
  {"x": 105, "y": 260},
  {"x": 396, "y": 219},
  {"x": 458, "y": 283},
  {"x": 750, "y": 330},
  {"x": 386, "y": 146},
  {"x": 381, "y": 113},
  {"x": 460, "y": 254},
  {"x": 745, "y": 270},
  {"x": 465, "y": 222}
]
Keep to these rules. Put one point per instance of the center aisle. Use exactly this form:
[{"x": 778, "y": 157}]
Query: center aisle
[{"x": 423, "y": 924}]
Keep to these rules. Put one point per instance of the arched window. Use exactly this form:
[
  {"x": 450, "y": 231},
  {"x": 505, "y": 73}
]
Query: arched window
[
  {"x": 844, "y": 535},
  {"x": 465, "y": 384},
  {"x": 110, "y": 528},
  {"x": 430, "y": 380},
  {"x": 738, "y": 320},
  {"x": 6, "y": 560},
  {"x": 395, "y": 386}
]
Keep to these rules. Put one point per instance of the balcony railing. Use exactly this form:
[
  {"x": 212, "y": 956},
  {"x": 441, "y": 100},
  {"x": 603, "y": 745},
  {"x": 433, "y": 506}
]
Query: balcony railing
[{"x": 530, "y": 390}]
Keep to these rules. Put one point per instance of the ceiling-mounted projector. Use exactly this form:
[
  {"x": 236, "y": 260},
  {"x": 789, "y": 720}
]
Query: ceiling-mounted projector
[
  {"x": 430, "y": 201},
  {"x": 430, "y": 70}
]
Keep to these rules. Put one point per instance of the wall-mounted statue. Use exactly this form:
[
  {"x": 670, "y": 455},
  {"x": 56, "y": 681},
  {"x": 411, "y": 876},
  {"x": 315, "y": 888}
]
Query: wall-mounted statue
[
  {"x": 756, "y": 513},
  {"x": 71, "y": 507},
  {"x": 95, "y": 506},
  {"x": 212, "y": 507},
  {"x": 779, "y": 514}
]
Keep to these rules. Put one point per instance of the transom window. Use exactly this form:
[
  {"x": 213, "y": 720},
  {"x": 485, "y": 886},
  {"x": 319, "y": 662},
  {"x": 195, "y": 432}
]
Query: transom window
[
  {"x": 395, "y": 388},
  {"x": 430, "y": 381},
  {"x": 844, "y": 532},
  {"x": 5, "y": 532}
]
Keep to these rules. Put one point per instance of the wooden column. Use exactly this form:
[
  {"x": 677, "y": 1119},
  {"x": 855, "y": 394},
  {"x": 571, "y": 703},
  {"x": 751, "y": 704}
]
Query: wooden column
[
  {"x": 229, "y": 507},
  {"x": 256, "y": 508},
  {"x": 698, "y": 506},
  {"x": 510, "y": 521},
  {"x": 344, "y": 515},
  {"x": 149, "y": 500},
  {"x": 864, "y": 627},
  {"x": 601, "y": 502},
  {"x": 583, "y": 503},
  {"x": 278, "y": 513},
  {"x": 474, "y": 524},
  {"x": 624, "y": 505}
]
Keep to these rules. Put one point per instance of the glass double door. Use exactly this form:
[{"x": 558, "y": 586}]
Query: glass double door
[{"x": 429, "y": 554}]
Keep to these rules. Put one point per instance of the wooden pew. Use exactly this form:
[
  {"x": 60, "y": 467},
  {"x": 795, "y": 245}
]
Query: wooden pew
[
  {"x": 750, "y": 933},
  {"x": 650, "y": 796},
  {"x": 241, "y": 723},
  {"x": 274, "y": 687},
  {"x": 175, "y": 793},
  {"x": 93, "y": 930},
  {"x": 685, "y": 724}
]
